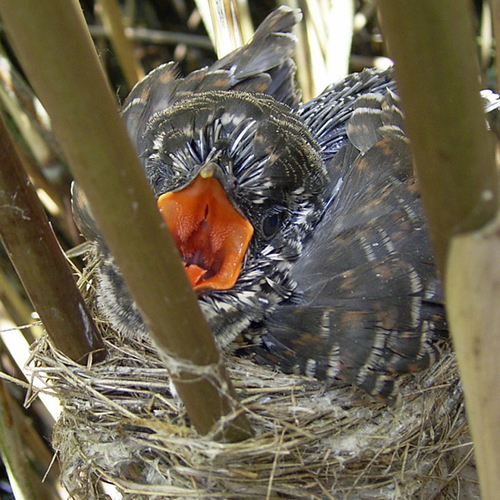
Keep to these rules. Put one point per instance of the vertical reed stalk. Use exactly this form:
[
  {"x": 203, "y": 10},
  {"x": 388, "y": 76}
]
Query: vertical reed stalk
[
  {"x": 57, "y": 53},
  {"x": 437, "y": 69}
]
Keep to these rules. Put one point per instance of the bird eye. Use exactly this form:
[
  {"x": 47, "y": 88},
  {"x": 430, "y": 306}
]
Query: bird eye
[{"x": 271, "y": 224}]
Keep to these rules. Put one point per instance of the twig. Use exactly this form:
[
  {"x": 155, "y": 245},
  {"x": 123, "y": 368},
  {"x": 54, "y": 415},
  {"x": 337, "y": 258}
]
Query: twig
[{"x": 158, "y": 36}]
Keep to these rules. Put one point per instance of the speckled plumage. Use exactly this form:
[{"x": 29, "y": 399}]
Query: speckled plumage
[{"x": 338, "y": 282}]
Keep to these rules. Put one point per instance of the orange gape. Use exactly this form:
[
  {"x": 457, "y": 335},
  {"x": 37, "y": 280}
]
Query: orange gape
[{"x": 212, "y": 237}]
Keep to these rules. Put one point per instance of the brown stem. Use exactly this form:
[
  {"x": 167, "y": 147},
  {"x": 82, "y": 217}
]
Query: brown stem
[
  {"x": 39, "y": 262},
  {"x": 495, "y": 7},
  {"x": 123, "y": 47},
  {"x": 433, "y": 46},
  {"x": 473, "y": 294},
  {"x": 14, "y": 454},
  {"x": 57, "y": 54}
]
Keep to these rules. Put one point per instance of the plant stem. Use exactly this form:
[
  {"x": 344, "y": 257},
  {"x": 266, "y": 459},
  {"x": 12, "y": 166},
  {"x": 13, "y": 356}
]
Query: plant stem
[
  {"x": 473, "y": 294},
  {"x": 112, "y": 21},
  {"x": 58, "y": 56},
  {"x": 26, "y": 483},
  {"x": 495, "y": 7},
  {"x": 433, "y": 46},
  {"x": 33, "y": 249}
]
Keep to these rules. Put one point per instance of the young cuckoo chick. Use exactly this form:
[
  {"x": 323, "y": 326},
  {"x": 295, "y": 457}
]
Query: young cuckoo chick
[{"x": 299, "y": 224}]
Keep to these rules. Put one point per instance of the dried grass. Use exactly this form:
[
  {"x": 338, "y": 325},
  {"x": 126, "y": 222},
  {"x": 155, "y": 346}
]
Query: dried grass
[{"x": 121, "y": 424}]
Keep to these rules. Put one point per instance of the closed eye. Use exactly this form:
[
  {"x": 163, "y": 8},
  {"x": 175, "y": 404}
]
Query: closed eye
[{"x": 271, "y": 224}]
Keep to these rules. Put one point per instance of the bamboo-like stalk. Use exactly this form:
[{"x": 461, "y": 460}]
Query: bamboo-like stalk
[
  {"x": 203, "y": 7},
  {"x": 228, "y": 23},
  {"x": 35, "y": 444},
  {"x": 225, "y": 19},
  {"x": 473, "y": 294},
  {"x": 57, "y": 54},
  {"x": 245, "y": 20},
  {"x": 111, "y": 17},
  {"x": 433, "y": 46},
  {"x": 495, "y": 7},
  {"x": 33, "y": 249},
  {"x": 26, "y": 483},
  {"x": 45, "y": 162},
  {"x": 329, "y": 29}
]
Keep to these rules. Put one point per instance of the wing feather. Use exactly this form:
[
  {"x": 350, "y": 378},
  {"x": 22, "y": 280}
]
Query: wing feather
[{"x": 370, "y": 301}]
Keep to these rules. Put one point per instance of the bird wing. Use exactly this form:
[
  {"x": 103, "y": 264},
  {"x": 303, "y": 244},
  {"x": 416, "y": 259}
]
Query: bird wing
[
  {"x": 263, "y": 65},
  {"x": 370, "y": 303},
  {"x": 327, "y": 114},
  {"x": 269, "y": 52}
]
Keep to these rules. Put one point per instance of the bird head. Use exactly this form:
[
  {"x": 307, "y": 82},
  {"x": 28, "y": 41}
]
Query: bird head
[
  {"x": 237, "y": 176},
  {"x": 239, "y": 181}
]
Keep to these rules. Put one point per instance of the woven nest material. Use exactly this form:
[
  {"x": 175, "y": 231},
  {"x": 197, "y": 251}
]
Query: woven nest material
[{"x": 121, "y": 424}]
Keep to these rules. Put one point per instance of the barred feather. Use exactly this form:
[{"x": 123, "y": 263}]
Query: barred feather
[{"x": 345, "y": 288}]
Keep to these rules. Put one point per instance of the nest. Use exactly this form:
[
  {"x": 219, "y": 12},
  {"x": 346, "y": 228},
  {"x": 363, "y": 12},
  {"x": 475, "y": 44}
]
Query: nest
[{"x": 122, "y": 424}]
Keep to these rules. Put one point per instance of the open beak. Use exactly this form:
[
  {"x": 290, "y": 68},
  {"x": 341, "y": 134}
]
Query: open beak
[{"x": 211, "y": 236}]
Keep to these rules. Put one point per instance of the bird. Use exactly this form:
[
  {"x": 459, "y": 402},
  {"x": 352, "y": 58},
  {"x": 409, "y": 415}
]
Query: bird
[{"x": 300, "y": 225}]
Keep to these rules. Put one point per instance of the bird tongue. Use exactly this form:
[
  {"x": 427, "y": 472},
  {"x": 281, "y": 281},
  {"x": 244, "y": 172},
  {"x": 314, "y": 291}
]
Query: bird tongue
[{"x": 210, "y": 235}]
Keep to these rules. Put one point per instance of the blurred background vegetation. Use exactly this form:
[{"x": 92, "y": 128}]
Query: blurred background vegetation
[{"x": 337, "y": 37}]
